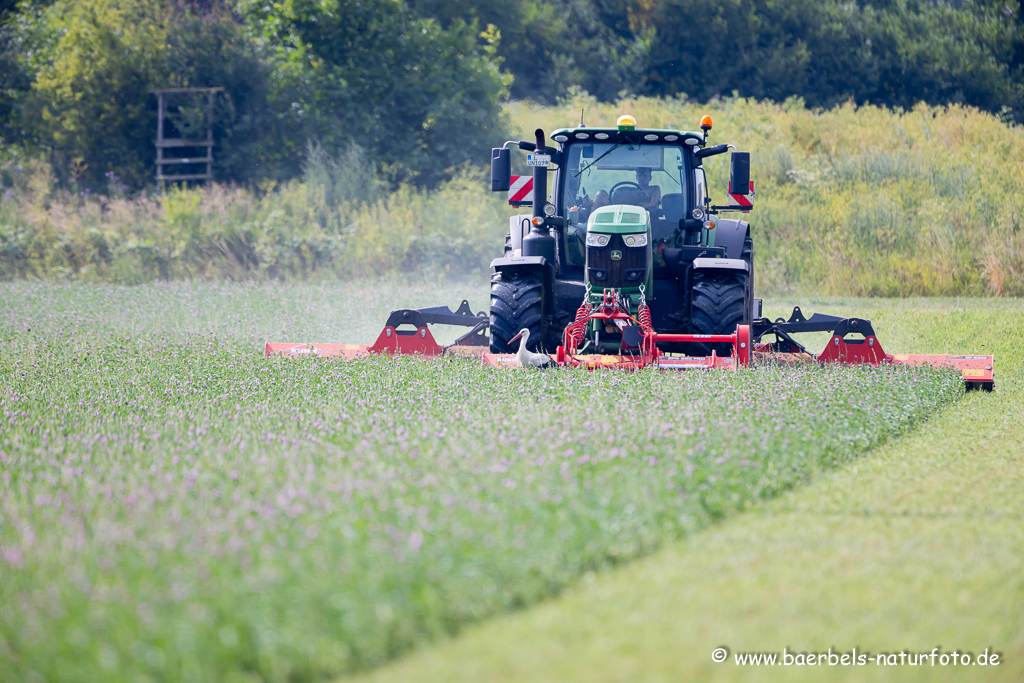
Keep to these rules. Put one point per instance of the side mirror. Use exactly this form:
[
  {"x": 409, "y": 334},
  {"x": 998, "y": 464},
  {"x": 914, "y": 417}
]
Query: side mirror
[
  {"x": 711, "y": 151},
  {"x": 501, "y": 169},
  {"x": 739, "y": 173}
]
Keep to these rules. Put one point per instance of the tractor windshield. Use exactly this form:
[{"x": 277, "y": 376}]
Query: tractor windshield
[{"x": 599, "y": 174}]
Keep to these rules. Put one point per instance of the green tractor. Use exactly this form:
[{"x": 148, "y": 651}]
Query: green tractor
[
  {"x": 628, "y": 212},
  {"x": 626, "y": 265}
]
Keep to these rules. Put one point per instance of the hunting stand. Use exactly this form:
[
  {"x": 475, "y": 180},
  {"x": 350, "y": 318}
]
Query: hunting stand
[{"x": 184, "y": 144}]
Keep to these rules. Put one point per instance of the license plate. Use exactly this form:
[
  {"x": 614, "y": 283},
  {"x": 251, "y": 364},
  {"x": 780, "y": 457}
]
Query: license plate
[{"x": 538, "y": 159}]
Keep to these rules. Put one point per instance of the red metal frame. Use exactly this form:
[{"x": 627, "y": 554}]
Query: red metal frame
[
  {"x": 977, "y": 371},
  {"x": 648, "y": 353},
  {"x": 404, "y": 342},
  {"x": 854, "y": 351}
]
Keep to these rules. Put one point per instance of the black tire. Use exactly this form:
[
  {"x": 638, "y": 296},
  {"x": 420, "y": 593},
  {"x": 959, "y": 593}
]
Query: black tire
[
  {"x": 517, "y": 302},
  {"x": 720, "y": 303}
]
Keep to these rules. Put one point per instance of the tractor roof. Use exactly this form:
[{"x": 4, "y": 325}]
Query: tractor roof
[{"x": 610, "y": 134}]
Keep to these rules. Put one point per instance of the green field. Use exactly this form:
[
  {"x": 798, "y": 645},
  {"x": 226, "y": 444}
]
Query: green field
[{"x": 176, "y": 507}]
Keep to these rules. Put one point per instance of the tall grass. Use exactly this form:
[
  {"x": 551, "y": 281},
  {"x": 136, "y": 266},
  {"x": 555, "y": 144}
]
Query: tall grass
[
  {"x": 336, "y": 222},
  {"x": 859, "y": 200},
  {"x": 854, "y": 200}
]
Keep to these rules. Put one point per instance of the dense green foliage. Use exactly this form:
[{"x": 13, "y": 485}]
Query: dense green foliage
[
  {"x": 13, "y": 78},
  {"x": 888, "y": 52},
  {"x": 421, "y": 99},
  {"x": 552, "y": 47},
  {"x": 176, "y": 507},
  {"x": 417, "y": 83},
  {"x": 92, "y": 61},
  {"x": 369, "y": 73}
]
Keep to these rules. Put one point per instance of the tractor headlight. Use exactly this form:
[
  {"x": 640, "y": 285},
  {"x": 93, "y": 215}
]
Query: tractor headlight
[
  {"x": 596, "y": 240},
  {"x": 635, "y": 240}
]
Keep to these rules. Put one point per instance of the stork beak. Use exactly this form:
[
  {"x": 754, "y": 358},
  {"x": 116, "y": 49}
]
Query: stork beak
[{"x": 515, "y": 338}]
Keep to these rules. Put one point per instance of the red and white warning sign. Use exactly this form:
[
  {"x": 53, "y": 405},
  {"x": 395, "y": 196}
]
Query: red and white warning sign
[
  {"x": 742, "y": 202},
  {"x": 521, "y": 189}
]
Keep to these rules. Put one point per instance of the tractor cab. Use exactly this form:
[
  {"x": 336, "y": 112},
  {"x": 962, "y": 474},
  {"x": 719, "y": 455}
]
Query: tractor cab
[
  {"x": 622, "y": 208},
  {"x": 602, "y": 166}
]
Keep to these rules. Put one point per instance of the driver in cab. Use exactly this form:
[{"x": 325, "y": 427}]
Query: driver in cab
[{"x": 650, "y": 196}]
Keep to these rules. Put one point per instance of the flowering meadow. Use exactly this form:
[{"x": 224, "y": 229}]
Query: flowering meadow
[{"x": 176, "y": 507}]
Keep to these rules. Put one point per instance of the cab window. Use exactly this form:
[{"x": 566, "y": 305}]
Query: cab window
[{"x": 598, "y": 174}]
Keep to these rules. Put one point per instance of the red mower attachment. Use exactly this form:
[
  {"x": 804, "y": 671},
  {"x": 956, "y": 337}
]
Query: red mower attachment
[
  {"x": 854, "y": 342},
  {"x": 405, "y": 333}
]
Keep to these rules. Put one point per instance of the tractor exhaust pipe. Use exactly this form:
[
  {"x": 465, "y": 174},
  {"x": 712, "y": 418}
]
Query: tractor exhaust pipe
[
  {"x": 540, "y": 242},
  {"x": 540, "y": 179}
]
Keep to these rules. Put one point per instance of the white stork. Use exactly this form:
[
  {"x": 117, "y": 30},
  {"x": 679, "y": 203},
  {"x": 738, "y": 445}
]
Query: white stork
[{"x": 527, "y": 358}]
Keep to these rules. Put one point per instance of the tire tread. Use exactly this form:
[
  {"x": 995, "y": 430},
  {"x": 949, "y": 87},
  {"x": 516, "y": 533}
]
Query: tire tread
[{"x": 517, "y": 301}]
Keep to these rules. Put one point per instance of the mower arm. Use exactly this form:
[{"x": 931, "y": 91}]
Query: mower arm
[
  {"x": 405, "y": 333},
  {"x": 442, "y": 315}
]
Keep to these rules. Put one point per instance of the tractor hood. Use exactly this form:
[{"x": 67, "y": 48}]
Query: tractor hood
[{"x": 619, "y": 219}]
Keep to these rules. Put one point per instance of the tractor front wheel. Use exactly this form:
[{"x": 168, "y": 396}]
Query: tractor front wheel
[
  {"x": 719, "y": 305},
  {"x": 517, "y": 302}
]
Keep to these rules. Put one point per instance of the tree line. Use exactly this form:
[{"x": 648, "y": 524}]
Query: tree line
[{"x": 417, "y": 85}]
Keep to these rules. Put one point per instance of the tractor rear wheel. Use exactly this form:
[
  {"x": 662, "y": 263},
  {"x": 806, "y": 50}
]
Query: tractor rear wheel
[
  {"x": 517, "y": 302},
  {"x": 720, "y": 303}
]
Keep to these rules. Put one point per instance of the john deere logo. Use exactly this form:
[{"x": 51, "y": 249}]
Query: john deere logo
[{"x": 616, "y": 255}]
